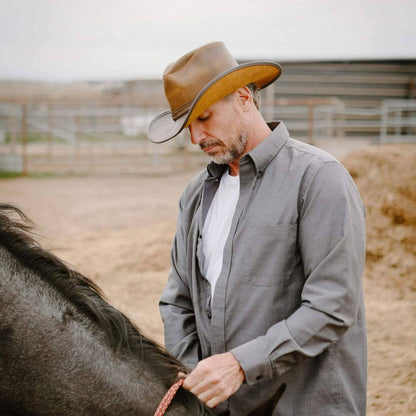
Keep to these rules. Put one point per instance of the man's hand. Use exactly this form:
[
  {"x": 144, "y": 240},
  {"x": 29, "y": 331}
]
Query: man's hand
[{"x": 215, "y": 379}]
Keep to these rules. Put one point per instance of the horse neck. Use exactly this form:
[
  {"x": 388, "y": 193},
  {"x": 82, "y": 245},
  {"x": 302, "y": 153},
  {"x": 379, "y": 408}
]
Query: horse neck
[{"x": 53, "y": 354}]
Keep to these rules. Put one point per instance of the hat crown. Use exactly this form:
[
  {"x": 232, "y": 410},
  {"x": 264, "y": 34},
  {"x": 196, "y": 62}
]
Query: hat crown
[{"x": 186, "y": 77}]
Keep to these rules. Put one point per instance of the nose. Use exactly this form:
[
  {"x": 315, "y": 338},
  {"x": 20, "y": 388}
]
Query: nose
[{"x": 196, "y": 132}]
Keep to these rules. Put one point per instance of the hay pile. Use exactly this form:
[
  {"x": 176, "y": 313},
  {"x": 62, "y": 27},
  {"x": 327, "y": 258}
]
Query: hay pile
[{"x": 386, "y": 178}]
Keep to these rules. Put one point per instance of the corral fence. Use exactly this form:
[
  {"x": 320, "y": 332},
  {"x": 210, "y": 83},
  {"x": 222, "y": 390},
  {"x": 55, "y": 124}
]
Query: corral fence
[{"x": 109, "y": 137}]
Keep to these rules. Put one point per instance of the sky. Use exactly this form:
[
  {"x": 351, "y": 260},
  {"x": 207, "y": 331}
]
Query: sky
[{"x": 69, "y": 40}]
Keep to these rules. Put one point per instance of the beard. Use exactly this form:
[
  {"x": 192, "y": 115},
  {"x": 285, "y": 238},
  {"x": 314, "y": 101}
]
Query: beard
[{"x": 231, "y": 151}]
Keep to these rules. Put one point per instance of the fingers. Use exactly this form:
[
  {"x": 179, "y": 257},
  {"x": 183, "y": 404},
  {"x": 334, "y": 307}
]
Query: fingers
[
  {"x": 210, "y": 394},
  {"x": 215, "y": 379},
  {"x": 213, "y": 401},
  {"x": 199, "y": 379},
  {"x": 181, "y": 375}
]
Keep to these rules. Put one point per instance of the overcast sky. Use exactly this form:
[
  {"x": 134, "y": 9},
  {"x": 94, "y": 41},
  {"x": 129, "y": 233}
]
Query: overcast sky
[{"x": 124, "y": 39}]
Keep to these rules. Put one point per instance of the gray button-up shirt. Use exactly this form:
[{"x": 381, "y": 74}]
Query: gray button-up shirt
[{"x": 288, "y": 302}]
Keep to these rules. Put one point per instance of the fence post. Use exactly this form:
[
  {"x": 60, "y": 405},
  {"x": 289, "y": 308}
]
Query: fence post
[
  {"x": 398, "y": 123},
  {"x": 340, "y": 119},
  {"x": 24, "y": 139},
  {"x": 49, "y": 133},
  {"x": 383, "y": 122}
]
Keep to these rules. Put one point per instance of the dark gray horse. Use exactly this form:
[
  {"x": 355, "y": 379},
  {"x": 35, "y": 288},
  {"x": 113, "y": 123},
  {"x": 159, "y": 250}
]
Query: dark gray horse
[{"x": 63, "y": 349}]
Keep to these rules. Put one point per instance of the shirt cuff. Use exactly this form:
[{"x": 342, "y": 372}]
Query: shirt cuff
[{"x": 254, "y": 361}]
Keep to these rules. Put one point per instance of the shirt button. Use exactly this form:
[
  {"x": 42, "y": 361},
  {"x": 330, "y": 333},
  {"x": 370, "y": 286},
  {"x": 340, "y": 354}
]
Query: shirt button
[{"x": 209, "y": 314}]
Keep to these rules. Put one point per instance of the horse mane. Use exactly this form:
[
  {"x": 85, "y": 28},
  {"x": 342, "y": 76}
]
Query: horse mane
[{"x": 17, "y": 237}]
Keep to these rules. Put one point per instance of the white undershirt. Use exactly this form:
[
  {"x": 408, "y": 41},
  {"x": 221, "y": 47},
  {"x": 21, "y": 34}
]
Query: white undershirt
[{"x": 217, "y": 227}]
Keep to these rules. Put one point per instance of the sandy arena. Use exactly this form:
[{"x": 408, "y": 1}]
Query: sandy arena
[{"x": 118, "y": 229}]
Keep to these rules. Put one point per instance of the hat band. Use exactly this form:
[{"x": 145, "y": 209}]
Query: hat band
[{"x": 179, "y": 112}]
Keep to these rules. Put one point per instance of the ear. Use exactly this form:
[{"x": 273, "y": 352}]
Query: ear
[{"x": 244, "y": 98}]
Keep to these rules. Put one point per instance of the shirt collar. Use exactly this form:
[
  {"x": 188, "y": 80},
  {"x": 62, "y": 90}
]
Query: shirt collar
[{"x": 262, "y": 154}]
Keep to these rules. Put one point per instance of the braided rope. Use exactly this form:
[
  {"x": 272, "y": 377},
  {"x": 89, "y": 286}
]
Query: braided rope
[{"x": 163, "y": 405}]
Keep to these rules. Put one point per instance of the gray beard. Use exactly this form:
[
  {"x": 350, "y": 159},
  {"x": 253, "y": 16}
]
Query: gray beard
[{"x": 234, "y": 152}]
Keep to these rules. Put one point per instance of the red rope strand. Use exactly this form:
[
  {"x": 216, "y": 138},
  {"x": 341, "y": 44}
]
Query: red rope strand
[{"x": 161, "y": 409}]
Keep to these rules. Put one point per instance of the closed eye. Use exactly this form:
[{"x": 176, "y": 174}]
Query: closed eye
[{"x": 203, "y": 117}]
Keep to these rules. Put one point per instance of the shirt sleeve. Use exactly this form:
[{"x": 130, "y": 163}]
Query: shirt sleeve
[
  {"x": 331, "y": 241},
  {"x": 176, "y": 308}
]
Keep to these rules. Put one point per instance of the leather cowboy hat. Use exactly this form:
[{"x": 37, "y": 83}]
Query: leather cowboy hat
[{"x": 201, "y": 78}]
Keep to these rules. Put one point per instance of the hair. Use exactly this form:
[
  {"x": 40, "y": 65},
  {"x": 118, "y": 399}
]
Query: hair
[{"x": 255, "y": 93}]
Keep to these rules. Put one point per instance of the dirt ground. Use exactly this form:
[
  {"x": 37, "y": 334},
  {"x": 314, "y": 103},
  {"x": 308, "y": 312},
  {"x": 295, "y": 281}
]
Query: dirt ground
[{"x": 117, "y": 230}]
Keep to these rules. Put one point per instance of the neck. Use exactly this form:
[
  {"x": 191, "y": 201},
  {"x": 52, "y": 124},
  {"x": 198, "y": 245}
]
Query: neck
[{"x": 258, "y": 132}]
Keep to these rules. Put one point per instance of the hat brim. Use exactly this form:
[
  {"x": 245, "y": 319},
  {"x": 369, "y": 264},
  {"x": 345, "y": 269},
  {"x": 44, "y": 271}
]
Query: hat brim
[{"x": 163, "y": 128}]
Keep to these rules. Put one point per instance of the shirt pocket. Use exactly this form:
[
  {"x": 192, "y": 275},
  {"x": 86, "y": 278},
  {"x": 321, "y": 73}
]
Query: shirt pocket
[{"x": 269, "y": 256}]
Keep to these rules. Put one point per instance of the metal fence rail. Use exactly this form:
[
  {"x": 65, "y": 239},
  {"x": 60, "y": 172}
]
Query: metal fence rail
[
  {"x": 398, "y": 121},
  {"x": 50, "y": 134}
]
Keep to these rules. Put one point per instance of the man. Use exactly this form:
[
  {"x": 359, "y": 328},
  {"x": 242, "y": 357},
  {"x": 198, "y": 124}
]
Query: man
[{"x": 265, "y": 290}]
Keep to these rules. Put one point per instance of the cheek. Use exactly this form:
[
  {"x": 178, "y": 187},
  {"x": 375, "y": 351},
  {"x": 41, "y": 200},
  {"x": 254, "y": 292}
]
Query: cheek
[
  {"x": 225, "y": 127},
  {"x": 219, "y": 132}
]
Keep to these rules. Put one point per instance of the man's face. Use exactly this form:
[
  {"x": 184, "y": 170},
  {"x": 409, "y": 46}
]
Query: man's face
[{"x": 221, "y": 131}]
